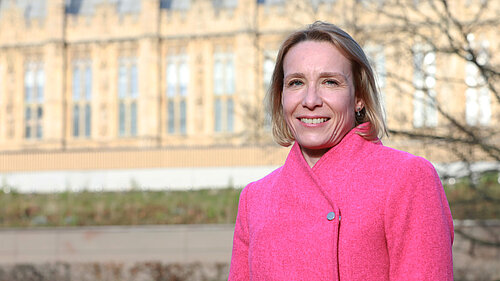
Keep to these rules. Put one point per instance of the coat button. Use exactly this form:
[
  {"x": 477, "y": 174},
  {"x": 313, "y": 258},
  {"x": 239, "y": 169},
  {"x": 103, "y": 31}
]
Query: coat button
[{"x": 330, "y": 216}]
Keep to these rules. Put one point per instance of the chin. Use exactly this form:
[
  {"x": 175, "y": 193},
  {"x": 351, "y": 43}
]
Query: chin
[{"x": 316, "y": 146}]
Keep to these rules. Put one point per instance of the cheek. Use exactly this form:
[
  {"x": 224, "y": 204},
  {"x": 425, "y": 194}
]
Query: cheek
[
  {"x": 287, "y": 106},
  {"x": 288, "y": 109},
  {"x": 342, "y": 106}
]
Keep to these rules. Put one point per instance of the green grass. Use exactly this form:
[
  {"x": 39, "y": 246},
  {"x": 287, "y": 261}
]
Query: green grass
[
  {"x": 119, "y": 208},
  {"x": 206, "y": 206},
  {"x": 475, "y": 201}
]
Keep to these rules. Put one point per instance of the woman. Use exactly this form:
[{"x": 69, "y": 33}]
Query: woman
[{"x": 343, "y": 206}]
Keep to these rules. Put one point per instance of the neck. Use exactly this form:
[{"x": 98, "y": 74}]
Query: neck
[{"x": 313, "y": 155}]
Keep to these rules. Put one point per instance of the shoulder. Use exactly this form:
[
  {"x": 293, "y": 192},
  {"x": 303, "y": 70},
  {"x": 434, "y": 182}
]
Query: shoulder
[
  {"x": 396, "y": 168},
  {"x": 397, "y": 159},
  {"x": 262, "y": 185},
  {"x": 410, "y": 164},
  {"x": 257, "y": 197},
  {"x": 408, "y": 174}
]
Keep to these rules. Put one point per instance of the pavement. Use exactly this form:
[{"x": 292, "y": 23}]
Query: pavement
[{"x": 122, "y": 244}]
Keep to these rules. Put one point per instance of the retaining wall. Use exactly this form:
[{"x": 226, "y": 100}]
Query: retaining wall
[{"x": 181, "y": 252}]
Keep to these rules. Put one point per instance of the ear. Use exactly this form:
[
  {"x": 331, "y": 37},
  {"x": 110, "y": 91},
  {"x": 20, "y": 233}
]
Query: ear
[{"x": 359, "y": 104}]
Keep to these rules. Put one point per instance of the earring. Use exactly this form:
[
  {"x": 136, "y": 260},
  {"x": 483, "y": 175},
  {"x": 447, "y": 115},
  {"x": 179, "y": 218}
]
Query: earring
[{"x": 358, "y": 112}]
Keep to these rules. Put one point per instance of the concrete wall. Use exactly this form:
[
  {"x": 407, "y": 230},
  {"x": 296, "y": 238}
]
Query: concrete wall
[{"x": 126, "y": 179}]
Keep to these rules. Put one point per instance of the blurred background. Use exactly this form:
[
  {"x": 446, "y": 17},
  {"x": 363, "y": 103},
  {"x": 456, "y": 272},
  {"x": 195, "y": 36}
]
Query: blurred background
[{"x": 129, "y": 127}]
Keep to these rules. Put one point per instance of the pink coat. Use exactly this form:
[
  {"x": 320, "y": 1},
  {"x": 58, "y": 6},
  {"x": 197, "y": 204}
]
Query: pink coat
[{"x": 363, "y": 212}]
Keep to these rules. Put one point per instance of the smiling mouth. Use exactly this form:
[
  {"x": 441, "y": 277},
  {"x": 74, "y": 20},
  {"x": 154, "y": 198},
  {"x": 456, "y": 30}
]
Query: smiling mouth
[{"x": 313, "y": 120}]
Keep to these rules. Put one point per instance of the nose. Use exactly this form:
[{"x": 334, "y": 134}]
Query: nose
[{"x": 312, "y": 99}]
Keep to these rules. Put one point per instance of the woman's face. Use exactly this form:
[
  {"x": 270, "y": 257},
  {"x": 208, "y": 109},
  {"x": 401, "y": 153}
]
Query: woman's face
[{"x": 318, "y": 96}]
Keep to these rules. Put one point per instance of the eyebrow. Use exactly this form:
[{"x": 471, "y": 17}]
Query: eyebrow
[
  {"x": 333, "y": 74},
  {"x": 293, "y": 75},
  {"x": 322, "y": 74}
]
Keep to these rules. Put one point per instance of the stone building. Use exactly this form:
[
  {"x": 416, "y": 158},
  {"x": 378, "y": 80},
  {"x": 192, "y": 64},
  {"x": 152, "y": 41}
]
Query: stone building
[{"x": 169, "y": 93}]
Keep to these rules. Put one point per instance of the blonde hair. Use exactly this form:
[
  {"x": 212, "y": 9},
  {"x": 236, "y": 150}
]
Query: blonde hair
[{"x": 363, "y": 80}]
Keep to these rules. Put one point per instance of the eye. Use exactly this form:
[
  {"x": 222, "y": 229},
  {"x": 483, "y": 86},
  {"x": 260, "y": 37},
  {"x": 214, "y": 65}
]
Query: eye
[
  {"x": 331, "y": 82},
  {"x": 295, "y": 83}
]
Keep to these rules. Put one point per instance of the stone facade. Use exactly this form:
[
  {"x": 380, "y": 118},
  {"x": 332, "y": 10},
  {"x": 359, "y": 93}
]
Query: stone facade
[{"x": 128, "y": 76}]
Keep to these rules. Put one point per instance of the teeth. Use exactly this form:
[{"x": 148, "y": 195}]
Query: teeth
[{"x": 313, "y": 120}]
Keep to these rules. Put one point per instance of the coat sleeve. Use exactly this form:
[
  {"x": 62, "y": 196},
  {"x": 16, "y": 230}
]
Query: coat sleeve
[
  {"x": 239, "y": 269},
  {"x": 418, "y": 225}
]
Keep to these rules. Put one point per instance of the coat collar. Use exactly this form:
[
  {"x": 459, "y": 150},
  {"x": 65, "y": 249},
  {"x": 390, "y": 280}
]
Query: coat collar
[
  {"x": 348, "y": 146},
  {"x": 341, "y": 158}
]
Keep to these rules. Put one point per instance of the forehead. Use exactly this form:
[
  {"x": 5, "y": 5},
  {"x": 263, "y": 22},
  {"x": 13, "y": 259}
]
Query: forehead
[{"x": 310, "y": 55}]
